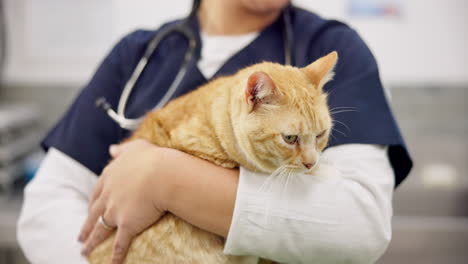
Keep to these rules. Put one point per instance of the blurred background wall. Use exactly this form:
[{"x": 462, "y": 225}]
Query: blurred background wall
[
  {"x": 54, "y": 46},
  {"x": 424, "y": 44}
]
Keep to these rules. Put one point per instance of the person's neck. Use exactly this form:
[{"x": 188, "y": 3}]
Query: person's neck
[{"x": 230, "y": 18}]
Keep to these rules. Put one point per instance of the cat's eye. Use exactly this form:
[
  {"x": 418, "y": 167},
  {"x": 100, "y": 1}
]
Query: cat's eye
[
  {"x": 321, "y": 134},
  {"x": 290, "y": 139}
]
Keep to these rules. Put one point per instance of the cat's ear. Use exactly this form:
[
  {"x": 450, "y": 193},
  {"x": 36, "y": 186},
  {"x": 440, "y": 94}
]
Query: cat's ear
[
  {"x": 321, "y": 70},
  {"x": 260, "y": 90}
]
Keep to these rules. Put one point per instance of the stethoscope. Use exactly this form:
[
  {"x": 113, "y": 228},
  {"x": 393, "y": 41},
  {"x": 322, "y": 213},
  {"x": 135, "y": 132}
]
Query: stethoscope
[{"x": 183, "y": 29}]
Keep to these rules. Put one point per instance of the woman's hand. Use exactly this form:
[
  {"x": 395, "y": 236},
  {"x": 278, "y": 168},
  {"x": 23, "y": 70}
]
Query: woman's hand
[
  {"x": 144, "y": 181},
  {"x": 128, "y": 196}
]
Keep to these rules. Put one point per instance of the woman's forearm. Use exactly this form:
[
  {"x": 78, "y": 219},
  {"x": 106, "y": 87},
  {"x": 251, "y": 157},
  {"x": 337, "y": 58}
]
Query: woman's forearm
[
  {"x": 54, "y": 207},
  {"x": 340, "y": 213},
  {"x": 202, "y": 193},
  {"x": 315, "y": 219}
]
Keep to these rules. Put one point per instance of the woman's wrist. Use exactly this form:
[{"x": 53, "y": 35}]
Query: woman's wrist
[
  {"x": 160, "y": 166},
  {"x": 169, "y": 164},
  {"x": 194, "y": 189}
]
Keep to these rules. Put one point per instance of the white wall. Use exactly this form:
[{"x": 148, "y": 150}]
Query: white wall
[
  {"x": 428, "y": 45},
  {"x": 63, "y": 40}
]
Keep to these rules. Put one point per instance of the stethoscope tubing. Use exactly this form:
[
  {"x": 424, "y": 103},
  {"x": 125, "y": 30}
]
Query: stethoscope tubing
[
  {"x": 119, "y": 116},
  {"x": 183, "y": 29}
]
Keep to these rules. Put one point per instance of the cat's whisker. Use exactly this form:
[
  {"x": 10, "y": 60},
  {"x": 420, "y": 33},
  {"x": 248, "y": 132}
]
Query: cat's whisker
[
  {"x": 343, "y": 111},
  {"x": 342, "y": 108},
  {"x": 282, "y": 186},
  {"x": 333, "y": 136},
  {"x": 288, "y": 176},
  {"x": 339, "y": 122},
  {"x": 342, "y": 133},
  {"x": 268, "y": 182},
  {"x": 276, "y": 175},
  {"x": 284, "y": 183},
  {"x": 329, "y": 92}
]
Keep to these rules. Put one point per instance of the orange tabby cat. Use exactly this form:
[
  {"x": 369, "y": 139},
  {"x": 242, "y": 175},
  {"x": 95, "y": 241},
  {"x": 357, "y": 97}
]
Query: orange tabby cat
[{"x": 264, "y": 117}]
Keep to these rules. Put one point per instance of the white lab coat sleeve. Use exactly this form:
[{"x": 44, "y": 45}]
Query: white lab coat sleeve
[
  {"x": 340, "y": 214},
  {"x": 55, "y": 207}
]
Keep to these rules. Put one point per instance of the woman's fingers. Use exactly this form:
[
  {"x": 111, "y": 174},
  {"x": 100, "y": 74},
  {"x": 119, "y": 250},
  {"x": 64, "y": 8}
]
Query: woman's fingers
[
  {"x": 115, "y": 150},
  {"x": 96, "y": 210},
  {"x": 96, "y": 192},
  {"x": 98, "y": 235},
  {"x": 135, "y": 212},
  {"x": 122, "y": 242}
]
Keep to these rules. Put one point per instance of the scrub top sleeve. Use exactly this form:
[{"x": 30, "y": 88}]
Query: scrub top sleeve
[
  {"x": 357, "y": 98},
  {"x": 85, "y": 131}
]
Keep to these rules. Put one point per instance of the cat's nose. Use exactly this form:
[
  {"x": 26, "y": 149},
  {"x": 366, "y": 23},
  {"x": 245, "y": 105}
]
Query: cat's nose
[{"x": 309, "y": 165}]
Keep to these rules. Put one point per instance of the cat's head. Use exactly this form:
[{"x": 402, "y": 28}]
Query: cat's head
[{"x": 284, "y": 120}]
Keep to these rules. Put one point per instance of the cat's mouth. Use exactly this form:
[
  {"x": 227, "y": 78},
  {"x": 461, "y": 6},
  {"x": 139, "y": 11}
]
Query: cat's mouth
[{"x": 299, "y": 168}]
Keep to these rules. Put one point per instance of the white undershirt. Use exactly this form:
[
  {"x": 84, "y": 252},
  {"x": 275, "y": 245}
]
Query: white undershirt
[
  {"x": 340, "y": 215},
  {"x": 217, "y": 49}
]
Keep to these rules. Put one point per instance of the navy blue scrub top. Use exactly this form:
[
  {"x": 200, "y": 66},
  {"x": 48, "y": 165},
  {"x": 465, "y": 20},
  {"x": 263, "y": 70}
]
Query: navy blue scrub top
[{"x": 85, "y": 132}]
